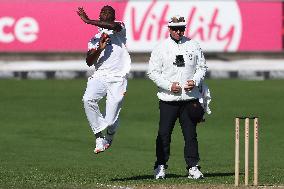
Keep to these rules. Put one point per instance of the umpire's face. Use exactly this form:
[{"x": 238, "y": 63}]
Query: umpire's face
[{"x": 177, "y": 32}]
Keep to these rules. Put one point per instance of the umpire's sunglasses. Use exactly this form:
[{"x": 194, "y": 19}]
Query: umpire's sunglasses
[{"x": 177, "y": 28}]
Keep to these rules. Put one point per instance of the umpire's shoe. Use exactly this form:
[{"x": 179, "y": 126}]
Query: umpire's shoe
[
  {"x": 195, "y": 173},
  {"x": 160, "y": 172}
]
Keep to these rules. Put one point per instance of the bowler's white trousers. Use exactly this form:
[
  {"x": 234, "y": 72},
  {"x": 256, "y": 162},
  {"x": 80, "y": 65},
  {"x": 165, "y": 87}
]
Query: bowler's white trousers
[{"x": 98, "y": 86}]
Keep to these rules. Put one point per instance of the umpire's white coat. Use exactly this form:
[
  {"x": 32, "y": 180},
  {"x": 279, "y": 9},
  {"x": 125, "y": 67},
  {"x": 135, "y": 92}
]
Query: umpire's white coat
[
  {"x": 164, "y": 72},
  {"x": 108, "y": 80}
]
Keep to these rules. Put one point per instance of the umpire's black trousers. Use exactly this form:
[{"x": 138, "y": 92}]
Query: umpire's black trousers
[{"x": 189, "y": 114}]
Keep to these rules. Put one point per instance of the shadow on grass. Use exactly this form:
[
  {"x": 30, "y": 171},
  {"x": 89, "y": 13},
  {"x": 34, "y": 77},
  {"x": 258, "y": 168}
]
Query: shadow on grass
[
  {"x": 146, "y": 177},
  {"x": 218, "y": 174},
  {"x": 149, "y": 177}
]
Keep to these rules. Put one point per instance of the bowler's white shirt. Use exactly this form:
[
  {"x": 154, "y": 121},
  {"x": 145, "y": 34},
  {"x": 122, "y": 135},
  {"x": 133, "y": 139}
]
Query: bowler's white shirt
[
  {"x": 114, "y": 60},
  {"x": 163, "y": 72}
]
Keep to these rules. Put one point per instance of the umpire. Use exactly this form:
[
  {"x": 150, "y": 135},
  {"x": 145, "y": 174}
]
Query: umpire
[{"x": 177, "y": 66}]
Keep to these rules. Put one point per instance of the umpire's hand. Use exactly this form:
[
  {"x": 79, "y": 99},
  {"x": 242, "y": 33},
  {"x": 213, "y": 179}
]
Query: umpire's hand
[
  {"x": 189, "y": 85},
  {"x": 175, "y": 87}
]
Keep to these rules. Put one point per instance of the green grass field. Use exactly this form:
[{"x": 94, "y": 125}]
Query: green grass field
[{"x": 45, "y": 140}]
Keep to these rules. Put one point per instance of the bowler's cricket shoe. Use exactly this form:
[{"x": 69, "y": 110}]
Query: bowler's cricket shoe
[
  {"x": 194, "y": 173},
  {"x": 160, "y": 172},
  {"x": 101, "y": 145},
  {"x": 109, "y": 137}
]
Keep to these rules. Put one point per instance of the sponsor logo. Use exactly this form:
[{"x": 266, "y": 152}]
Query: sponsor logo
[
  {"x": 216, "y": 25},
  {"x": 24, "y": 30}
]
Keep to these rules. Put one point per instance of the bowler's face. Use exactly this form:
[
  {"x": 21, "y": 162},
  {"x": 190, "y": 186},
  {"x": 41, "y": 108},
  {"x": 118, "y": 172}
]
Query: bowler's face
[
  {"x": 106, "y": 15},
  {"x": 177, "y": 32}
]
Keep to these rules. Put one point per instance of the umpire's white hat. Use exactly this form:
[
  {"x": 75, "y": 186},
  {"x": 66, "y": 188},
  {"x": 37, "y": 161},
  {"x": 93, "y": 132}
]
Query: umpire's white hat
[{"x": 177, "y": 21}]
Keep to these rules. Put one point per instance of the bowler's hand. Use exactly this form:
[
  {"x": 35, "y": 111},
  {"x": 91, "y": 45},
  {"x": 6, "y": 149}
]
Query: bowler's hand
[
  {"x": 81, "y": 12},
  {"x": 103, "y": 42},
  {"x": 175, "y": 87},
  {"x": 189, "y": 85}
]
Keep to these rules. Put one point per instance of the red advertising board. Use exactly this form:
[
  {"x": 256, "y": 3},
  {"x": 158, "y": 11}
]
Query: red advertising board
[{"x": 54, "y": 26}]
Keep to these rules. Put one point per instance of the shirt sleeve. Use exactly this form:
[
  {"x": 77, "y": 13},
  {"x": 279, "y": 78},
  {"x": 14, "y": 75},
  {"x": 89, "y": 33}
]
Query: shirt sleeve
[
  {"x": 201, "y": 67},
  {"x": 122, "y": 33},
  {"x": 155, "y": 71},
  {"x": 123, "y": 29},
  {"x": 93, "y": 43}
]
